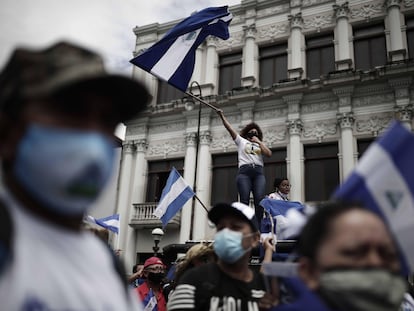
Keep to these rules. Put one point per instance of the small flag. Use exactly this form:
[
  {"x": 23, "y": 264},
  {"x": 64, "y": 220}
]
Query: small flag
[
  {"x": 150, "y": 302},
  {"x": 383, "y": 181},
  {"x": 279, "y": 207},
  {"x": 174, "y": 195},
  {"x": 172, "y": 58},
  {"x": 111, "y": 222},
  {"x": 281, "y": 220}
]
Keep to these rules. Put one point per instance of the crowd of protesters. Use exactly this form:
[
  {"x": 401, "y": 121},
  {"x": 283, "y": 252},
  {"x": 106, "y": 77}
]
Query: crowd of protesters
[{"x": 58, "y": 112}]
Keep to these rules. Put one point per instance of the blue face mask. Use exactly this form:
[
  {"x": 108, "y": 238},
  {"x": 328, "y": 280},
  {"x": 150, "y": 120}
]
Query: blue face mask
[
  {"x": 228, "y": 245},
  {"x": 64, "y": 169}
]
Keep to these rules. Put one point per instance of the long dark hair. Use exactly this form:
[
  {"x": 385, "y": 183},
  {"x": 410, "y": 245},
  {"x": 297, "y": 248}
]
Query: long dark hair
[{"x": 250, "y": 126}]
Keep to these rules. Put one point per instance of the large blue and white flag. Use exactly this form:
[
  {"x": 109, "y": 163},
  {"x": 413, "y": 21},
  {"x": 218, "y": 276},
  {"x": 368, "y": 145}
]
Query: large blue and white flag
[
  {"x": 172, "y": 58},
  {"x": 150, "y": 302},
  {"x": 174, "y": 195},
  {"x": 111, "y": 222},
  {"x": 383, "y": 181}
]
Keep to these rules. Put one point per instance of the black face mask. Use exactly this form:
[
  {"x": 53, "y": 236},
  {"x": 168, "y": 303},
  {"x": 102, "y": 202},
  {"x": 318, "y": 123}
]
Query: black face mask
[
  {"x": 156, "y": 278},
  {"x": 251, "y": 135}
]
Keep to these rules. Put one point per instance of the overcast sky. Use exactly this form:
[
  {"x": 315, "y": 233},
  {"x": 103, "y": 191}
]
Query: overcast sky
[{"x": 103, "y": 25}]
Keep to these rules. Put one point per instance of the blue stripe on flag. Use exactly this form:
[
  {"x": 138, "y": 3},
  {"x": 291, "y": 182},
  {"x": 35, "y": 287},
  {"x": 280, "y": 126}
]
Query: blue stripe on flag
[
  {"x": 279, "y": 207},
  {"x": 176, "y": 205},
  {"x": 150, "y": 302},
  {"x": 110, "y": 222},
  {"x": 174, "y": 195},
  {"x": 400, "y": 146},
  {"x": 172, "y": 58},
  {"x": 383, "y": 181}
]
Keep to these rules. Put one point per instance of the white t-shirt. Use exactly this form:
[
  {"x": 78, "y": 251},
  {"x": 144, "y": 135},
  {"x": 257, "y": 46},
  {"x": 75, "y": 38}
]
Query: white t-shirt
[
  {"x": 277, "y": 196},
  {"x": 57, "y": 269},
  {"x": 249, "y": 152}
]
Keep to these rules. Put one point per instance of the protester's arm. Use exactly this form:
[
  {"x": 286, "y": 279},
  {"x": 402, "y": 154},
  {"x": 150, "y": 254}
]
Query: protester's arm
[
  {"x": 272, "y": 296},
  {"x": 136, "y": 275},
  {"x": 227, "y": 125},
  {"x": 269, "y": 248},
  {"x": 265, "y": 150}
]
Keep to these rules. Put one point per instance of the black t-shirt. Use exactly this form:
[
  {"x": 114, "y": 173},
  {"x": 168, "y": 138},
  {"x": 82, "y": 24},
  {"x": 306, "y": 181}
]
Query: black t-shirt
[{"x": 208, "y": 288}]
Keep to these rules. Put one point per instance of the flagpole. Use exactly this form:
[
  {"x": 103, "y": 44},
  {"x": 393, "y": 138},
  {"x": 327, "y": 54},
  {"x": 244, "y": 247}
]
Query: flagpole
[
  {"x": 195, "y": 197},
  {"x": 198, "y": 98},
  {"x": 202, "y": 204}
]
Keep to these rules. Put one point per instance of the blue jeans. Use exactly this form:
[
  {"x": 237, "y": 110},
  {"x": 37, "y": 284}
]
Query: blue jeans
[{"x": 251, "y": 179}]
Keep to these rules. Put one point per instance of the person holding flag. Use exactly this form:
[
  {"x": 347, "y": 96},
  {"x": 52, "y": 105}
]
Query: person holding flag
[
  {"x": 250, "y": 151},
  {"x": 151, "y": 290}
]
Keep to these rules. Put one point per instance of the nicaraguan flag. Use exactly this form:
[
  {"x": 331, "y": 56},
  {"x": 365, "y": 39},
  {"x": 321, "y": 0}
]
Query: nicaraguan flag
[
  {"x": 111, "y": 222},
  {"x": 279, "y": 207},
  {"x": 172, "y": 58},
  {"x": 383, "y": 181},
  {"x": 150, "y": 302},
  {"x": 174, "y": 195}
]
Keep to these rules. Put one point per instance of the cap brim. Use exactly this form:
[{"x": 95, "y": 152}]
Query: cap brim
[
  {"x": 221, "y": 209},
  {"x": 128, "y": 96}
]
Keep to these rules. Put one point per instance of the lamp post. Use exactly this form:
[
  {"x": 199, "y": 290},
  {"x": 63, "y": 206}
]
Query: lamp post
[
  {"x": 157, "y": 235},
  {"x": 189, "y": 105}
]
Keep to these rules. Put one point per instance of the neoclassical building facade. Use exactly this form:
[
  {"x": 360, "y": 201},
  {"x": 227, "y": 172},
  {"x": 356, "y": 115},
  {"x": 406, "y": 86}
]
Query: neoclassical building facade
[{"x": 322, "y": 78}]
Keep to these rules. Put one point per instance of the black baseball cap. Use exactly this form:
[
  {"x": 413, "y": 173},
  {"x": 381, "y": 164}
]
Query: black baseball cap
[
  {"x": 238, "y": 209},
  {"x": 64, "y": 68}
]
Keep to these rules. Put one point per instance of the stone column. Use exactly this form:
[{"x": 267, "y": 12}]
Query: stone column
[
  {"x": 139, "y": 179},
  {"x": 403, "y": 108},
  {"x": 250, "y": 54},
  {"x": 346, "y": 122},
  {"x": 296, "y": 39},
  {"x": 124, "y": 194},
  {"x": 203, "y": 186},
  {"x": 295, "y": 147},
  {"x": 347, "y": 155},
  {"x": 342, "y": 30},
  {"x": 198, "y": 66},
  {"x": 189, "y": 173},
  {"x": 396, "y": 48},
  {"x": 295, "y": 160},
  {"x": 211, "y": 75}
]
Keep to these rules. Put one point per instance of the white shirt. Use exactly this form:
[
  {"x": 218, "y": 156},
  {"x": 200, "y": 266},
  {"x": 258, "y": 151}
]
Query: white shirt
[
  {"x": 249, "y": 152},
  {"x": 56, "y": 269},
  {"x": 278, "y": 196}
]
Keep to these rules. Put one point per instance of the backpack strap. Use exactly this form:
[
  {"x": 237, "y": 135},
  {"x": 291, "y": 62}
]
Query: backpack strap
[{"x": 6, "y": 236}]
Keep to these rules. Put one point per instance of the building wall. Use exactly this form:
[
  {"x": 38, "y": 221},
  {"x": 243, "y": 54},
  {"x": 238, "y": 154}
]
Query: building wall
[{"x": 340, "y": 107}]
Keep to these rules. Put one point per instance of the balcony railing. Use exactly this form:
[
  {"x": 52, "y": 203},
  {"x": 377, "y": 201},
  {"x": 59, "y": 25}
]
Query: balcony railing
[{"x": 143, "y": 217}]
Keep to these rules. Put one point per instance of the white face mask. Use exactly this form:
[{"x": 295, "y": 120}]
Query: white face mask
[
  {"x": 64, "y": 169},
  {"x": 362, "y": 289}
]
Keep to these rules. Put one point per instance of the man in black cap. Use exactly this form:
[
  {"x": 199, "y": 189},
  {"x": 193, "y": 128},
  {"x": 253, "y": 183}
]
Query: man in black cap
[
  {"x": 229, "y": 283},
  {"x": 58, "y": 112}
]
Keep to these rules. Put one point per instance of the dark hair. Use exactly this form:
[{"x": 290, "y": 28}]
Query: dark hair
[
  {"x": 319, "y": 224},
  {"x": 249, "y": 127},
  {"x": 278, "y": 181}
]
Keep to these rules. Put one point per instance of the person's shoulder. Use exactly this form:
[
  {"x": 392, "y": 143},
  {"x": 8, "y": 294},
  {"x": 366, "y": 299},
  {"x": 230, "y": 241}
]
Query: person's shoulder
[
  {"x": 239, "y": 139},
  {"x": 200, "y": 273}
]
